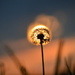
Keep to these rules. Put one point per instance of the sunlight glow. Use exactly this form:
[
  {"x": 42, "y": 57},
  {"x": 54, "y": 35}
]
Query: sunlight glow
[{"x": 35, "y": 31}]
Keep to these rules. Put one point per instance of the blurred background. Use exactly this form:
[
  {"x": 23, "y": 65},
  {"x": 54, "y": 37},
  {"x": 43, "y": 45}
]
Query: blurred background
[{"x": 17, "y": 15}]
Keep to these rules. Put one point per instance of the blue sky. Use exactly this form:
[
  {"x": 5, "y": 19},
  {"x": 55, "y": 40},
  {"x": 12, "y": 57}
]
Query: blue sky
[{"x": 16, "y": 15}]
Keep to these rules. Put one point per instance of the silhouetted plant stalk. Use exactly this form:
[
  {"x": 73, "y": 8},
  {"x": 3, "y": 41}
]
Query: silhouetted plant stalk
[
  {"x": 42, "y": 53},
  {"x": 41, "y": 37},
  {"x": 69, "y": 60},
  {"x": 2, "y": 69},
  {"x": 64, "y": 72},
  {"x": 74, "y": 69},
  {"x": 15, "y": 59},
  {"x": 61, "y": 43},
  {"x": 69, "y": 71}
]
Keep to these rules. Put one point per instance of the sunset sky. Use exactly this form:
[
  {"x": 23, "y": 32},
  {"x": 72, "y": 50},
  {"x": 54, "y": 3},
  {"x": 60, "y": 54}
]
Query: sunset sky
[{"x": 15, "y": 18}]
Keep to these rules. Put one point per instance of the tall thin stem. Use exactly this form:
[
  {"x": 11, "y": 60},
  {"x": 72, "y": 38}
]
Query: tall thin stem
[
  {"x": 41, "y": 37},
  {"x": 42, "y": 53}
]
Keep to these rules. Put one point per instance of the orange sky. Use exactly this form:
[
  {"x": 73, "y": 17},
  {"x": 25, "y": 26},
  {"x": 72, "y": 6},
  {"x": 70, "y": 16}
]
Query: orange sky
[{"x": 30, "y": 55}]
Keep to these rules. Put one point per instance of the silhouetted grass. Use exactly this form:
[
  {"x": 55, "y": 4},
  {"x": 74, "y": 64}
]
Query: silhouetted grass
[
  {"x": 68, "y": 63},
  {"x": 74, "y": 69},
  {"x": 64, "y": 72},
  {"x": 61, "y": 43},
  {"x": 69, "y": 69},
  {"x": 2, "y": 69},
  {"x": 16, "y": 61}
]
